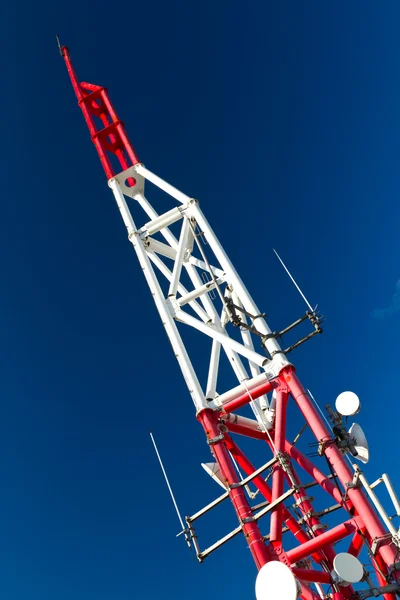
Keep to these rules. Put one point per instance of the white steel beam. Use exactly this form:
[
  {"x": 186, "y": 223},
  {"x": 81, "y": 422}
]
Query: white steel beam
[
  {"x": 153, "y": 214},
  {"x": 163, "y": 185},
  {"x": 262, "y": 402},
  {"x": 180, "y": 252},
  {"x": 211, "y": 388},
  {"x": 169, "y": 251},
  {"x": 161, "y": 304},
  {"x": 234, "y": 279},
  {"x": 161, "y": 222},
  {"x": 180, "y": 255},
  {"x": 207, "y": 287},
  {"x": 181, "y": 289},
  {"x": 180, "y": 315}
]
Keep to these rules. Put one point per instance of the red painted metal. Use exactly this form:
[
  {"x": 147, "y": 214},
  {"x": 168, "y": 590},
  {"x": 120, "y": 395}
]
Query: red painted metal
[
  {"x": 306, "y": 464},
  {"x": 245, "y": 398},
  {"x": 356, "y": 545},
  {"x": 278, "y": 476},
  {"x": 338, "y": 463},
  {"x": 255, "y": 541},
  {"x": 110, "y": 139},
  {"x": 329, "y": 537},
  {"x": 243, "y": 429},
  {"x": 312, "y": 575},
  {"x": 265, "y": 490}
]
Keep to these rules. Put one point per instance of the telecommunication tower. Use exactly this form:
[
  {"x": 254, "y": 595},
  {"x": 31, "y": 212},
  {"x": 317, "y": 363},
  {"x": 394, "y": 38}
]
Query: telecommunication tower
[{"x": 195, "y": 285}]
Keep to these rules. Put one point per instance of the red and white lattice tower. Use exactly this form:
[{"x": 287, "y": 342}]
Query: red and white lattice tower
[{"x": 222, "y": 309}]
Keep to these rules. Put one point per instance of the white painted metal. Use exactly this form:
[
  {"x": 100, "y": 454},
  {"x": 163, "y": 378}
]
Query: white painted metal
[
  {"x": 192, "y": 293},
  {"x": 149, "y": 210},
  {"x": 382, "y": 512},
  {"x": 211, "y": 388},
  {"x": 245, "y": 421},
  {"x": 170, "y": 252},
  {"x": 207, "y": 287},
  {"x": 161, "y": 222},
  {"x": 221, "y": 337},
  {"x": 181, "y": 289},
  {"x": 233, "y": 278},
  {"x": 320, "y": 591},
  {"x": 218, "y": 323},
  {"x": 214, "y": 471},
  {"x": 168, "y": 322},
  {"x": 392, "y": 493},
  {"x": 134, "y": 191},
  {"x": 161, "y": 248},
  {"x": 241, "y": 389},
  {"x": 180, "y": 255},
  {"x": 163, "y": 185},
  {"x": 261, "y": 402},
  {"x": 202, "y": 265}
]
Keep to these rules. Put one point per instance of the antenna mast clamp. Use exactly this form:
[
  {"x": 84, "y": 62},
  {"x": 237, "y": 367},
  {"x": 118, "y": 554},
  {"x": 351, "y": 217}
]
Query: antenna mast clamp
[
  {"x": 355, "y": 483},
  {"x": 216, "y": 439}
]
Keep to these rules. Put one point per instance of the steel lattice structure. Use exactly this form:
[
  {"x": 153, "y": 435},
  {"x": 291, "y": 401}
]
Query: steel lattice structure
[{"x": 221, "y": 308}]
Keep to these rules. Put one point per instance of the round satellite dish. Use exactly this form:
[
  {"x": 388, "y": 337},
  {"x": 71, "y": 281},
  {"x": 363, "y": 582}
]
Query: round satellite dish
[
  {"x": 360, "y": 443},
  {"x": 348, "y": 404},
  {"x": 347, "y": 569},
  {"x": 275, "y": 581}
]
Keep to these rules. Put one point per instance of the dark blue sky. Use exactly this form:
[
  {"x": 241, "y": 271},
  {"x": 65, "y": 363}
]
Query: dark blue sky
[{"x": 283, "y": 119}]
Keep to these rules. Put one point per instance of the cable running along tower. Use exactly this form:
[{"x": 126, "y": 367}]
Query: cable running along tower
[{"x": 194, "y": 285}]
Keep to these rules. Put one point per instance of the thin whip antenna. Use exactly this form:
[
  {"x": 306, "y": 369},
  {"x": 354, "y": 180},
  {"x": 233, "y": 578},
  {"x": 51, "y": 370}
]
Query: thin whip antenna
[
  {"x": 292, "y": 278},
  {"x": 319, "y": 408},
  {"x": 184, "y": 529},
  {"x": 59, "y": 46}
]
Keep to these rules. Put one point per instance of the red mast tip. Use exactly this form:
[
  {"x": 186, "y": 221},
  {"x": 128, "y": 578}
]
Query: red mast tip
[{"x": 106, "y": 130}]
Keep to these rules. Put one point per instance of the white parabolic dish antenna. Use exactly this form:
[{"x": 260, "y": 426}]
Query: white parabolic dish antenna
[
  {"x": 347, "y": 569},
  {"x": 275, "y": 581},
  {"x": 360, "y": 444},
  {"x": 213, "y": 470},
  {"x": 348, "y": 404}
]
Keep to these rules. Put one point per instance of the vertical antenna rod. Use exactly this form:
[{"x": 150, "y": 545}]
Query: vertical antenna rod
[
  {"x": 294, "y": 281},
  {"x": 170, "y": 489}
]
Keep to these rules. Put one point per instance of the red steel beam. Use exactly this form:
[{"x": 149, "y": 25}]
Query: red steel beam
[
  {"x": 278, "y": 476},
  {"x": 312, "y": 575},
  {"x": 338, "y": 463},
  {"x": 111, "y": 139},
  {"x": 329, "y": 537},
  {"x": 209, "y": 419},
  {"x": 356, "y": 545},
  {"x": 244, "y": 398}
]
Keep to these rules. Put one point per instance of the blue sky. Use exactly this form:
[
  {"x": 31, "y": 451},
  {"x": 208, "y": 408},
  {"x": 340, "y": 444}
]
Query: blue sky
[{"x": 283, "y": 119}]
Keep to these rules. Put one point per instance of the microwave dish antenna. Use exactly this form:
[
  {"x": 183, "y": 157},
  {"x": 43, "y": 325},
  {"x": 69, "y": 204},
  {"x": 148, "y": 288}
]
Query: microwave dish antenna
[
  {"x": 360, "y": 443},
  {"x": 348, "y": 404}
]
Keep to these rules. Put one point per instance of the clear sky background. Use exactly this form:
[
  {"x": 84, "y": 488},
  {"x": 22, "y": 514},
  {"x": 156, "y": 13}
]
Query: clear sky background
[{"x": 283, "y": 119}]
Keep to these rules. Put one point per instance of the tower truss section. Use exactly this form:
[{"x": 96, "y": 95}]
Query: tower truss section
[{"x": 196, "y": 287}]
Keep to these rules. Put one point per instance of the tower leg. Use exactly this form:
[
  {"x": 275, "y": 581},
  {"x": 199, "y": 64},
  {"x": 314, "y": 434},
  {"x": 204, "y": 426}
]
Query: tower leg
[
  {"x": 251, "y": 531},
  {"x": 338, "y": 463}
]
